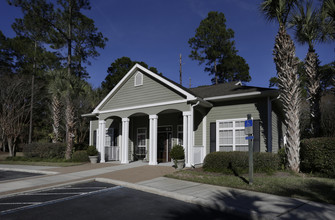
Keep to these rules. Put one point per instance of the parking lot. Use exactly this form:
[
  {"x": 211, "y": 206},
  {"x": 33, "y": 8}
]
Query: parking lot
[
  {"x": 10, "y": 175},
  {"x": 94, "y": 200}
]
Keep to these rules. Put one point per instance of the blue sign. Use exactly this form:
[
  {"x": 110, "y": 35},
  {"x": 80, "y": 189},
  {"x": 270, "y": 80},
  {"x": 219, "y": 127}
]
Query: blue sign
[
  {"x": 249, "y": 137},
  {"x": 248, "y": 123}
]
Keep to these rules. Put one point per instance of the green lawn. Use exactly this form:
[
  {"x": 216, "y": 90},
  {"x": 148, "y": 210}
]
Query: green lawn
[
  {"x": 20, "y": 160},
  {"x": 280, "y": 183}
]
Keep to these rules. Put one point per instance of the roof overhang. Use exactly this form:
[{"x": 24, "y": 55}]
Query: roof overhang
[{"x": 269, "y": 93}]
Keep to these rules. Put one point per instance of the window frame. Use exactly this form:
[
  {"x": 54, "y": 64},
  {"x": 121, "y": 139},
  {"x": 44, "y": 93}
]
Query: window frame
[
  {"x": 180, "y": 140},
  {"x": 141, "y": 79},
  {"x": 234, "y": 128},
  {"x": 146, "y": 136}
]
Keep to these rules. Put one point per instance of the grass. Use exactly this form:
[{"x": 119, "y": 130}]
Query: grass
[{"x": 280, "y": 183}]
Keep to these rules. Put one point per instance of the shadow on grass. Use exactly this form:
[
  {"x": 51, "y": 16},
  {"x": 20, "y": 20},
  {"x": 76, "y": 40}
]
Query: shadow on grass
[
  {"x": 239, "y": 205},
  {"x": 314, "y": 190}
]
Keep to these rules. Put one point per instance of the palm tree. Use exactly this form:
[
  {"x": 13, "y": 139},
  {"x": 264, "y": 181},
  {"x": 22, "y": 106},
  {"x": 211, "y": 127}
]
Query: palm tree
[
  {"x": 56, "y": 89},
  {"x": 288, "y": 81},
  {"x": 305, "y": 22}
]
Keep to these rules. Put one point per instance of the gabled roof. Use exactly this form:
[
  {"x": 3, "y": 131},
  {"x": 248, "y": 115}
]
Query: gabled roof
[{"x": 178, "y": 88}]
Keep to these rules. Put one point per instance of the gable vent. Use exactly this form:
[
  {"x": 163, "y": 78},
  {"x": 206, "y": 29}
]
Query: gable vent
[{"x": 138, "y": 79}]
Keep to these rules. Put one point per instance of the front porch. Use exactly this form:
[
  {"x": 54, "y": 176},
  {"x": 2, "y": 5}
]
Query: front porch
[{"x": 148, "y": 137}]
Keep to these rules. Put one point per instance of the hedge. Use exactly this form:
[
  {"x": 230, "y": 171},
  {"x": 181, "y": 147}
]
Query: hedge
[
  {"x": 44, "y": 150},
  {"x": 317, "y": 155},
  {"x": 80, "y": 156},
  {"x": 238, "y": 162}
]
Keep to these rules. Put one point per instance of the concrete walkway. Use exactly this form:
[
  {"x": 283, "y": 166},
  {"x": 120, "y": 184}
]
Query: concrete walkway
[{"x": 140, "y": 176}]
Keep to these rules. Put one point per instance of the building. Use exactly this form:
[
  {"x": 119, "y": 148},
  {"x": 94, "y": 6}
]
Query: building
[{"x": 146, "y": 114}]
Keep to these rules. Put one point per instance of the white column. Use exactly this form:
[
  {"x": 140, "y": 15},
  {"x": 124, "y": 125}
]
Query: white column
[
  {"x": 190, "y": 140},
  {"x": 125, "y": 141},
  {"x": 187, "y": 136},
  {"x": 153, "y": 124},
  {"x": 102, "y": 136}
]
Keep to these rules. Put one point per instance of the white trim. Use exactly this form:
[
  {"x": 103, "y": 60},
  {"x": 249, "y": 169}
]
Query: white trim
[
  {"x": 90, "y": 140},
  {"x": 152, "y": 74},
  {"x": 204, "y": 136},
  {"x": 232, "y": 96},
  {"x": 143, "y": 106},
  {"x": 141, "y": 79}
]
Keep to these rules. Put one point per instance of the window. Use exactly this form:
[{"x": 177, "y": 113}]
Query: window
[
  {"x": 141, "y": 141},
  {"x": 138, "y": 81},
  {"x": 111, "y": 137},
  {"x": 231, "y": 135},
  {"x": 180, "y": 135}
]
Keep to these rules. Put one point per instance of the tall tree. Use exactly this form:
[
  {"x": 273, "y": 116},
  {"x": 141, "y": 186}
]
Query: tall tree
[
  {"x": 289, "y": 84},
  {"x": 117, "y": 70},
  {"x": 213, "y": 43},
  {"x": 306, "y": 24},
  {"x": 33, "y": 26}
]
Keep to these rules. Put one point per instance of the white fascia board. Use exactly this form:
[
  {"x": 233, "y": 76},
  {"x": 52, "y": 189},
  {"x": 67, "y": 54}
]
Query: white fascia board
[
  {"x": 155, "y": 75},
  {"x": 144, "y": 106},
  {"x": 232, "y": 96}
]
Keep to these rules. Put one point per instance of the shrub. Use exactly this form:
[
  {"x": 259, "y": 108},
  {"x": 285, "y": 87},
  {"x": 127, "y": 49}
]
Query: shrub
[
  {"x": 282, "y": 158},
  {"x": 177, "y": 152},
  {"x": 80, "y": 156},
  {"x": 44, "y": 150},
  {"x": 317, "y": 155},
  {"x": 92, "y": 151},
  {"x": 80, "y": 146},
  {"x": 238, "y": 162}
]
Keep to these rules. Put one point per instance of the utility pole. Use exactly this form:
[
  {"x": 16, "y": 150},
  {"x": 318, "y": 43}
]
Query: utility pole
[
  {"x": 180, "y": 71},
  {"x": 190, "y": 83}
]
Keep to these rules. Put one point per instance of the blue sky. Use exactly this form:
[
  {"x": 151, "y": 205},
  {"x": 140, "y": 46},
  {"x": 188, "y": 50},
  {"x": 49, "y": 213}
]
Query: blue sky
[{"x": 157, "y": 31}]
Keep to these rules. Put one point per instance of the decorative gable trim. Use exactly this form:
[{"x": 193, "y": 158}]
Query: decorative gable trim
[
  {"x": 188, "y": 95},
  {"x": 138, "y": 79}
]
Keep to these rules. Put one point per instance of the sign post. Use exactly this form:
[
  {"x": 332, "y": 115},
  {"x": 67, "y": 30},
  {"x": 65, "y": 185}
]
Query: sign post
[{"x": 249, "y": 131}]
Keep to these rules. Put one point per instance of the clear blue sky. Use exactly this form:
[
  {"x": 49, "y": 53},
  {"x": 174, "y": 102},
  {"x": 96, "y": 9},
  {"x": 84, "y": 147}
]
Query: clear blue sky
[{"x": 157, "y": 31}]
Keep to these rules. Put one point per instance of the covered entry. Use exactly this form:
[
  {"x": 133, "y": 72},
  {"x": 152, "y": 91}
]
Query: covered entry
[{"x": 164, "y": 144}]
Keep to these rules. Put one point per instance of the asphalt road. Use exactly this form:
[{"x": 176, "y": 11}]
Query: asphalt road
[
  {"x": 95, "y": 200},
  {"x": 9, "y": 175}
]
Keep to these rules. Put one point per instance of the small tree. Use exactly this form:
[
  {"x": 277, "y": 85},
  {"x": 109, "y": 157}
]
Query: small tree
[{"x": 213, "y": 43}]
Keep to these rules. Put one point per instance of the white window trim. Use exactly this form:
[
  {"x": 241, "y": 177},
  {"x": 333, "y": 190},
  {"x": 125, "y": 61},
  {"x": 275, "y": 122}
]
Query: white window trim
[
  {"x": 146, "y": 136},
  {"x": 233, "y": 128},
  {"x": 141, "y": 79}
]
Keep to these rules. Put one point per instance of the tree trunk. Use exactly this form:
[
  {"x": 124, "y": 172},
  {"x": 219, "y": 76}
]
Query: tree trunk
[
  {"x": 314, "y": 90},
  {"x": 216, "y": 74},
  {"x": 69, "y": 117},
  {"x": 32, "y": 96},
  {"x": 10, "y": 146},
  {"x": 56, "y": 117},
  {"x": 286, "y": 65}
]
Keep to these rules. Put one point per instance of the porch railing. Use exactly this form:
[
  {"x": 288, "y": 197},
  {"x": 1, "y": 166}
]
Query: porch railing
[
  {"x": 112, "y": 152},
  {"x": 198, "y": 154}
]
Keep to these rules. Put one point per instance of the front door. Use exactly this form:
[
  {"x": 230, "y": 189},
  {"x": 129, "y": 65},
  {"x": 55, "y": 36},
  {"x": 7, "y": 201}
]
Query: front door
[{"x": 164, "y": 144}]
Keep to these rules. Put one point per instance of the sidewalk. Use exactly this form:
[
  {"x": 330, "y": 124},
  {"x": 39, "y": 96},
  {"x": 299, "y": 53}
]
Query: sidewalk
[{"x": 140, "y": 176}]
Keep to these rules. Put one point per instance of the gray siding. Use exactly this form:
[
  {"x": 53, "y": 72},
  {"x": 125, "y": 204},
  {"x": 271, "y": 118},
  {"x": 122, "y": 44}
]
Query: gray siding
[
  {"x": 198, "y": 128},
  {"x": 95, "y": 126},
  {"x": 239, "y": 109},
  {"x": 150, "y": 92}
]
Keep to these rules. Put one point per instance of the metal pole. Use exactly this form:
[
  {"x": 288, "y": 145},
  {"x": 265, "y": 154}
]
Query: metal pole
[{"x": 251, "y": 161}]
